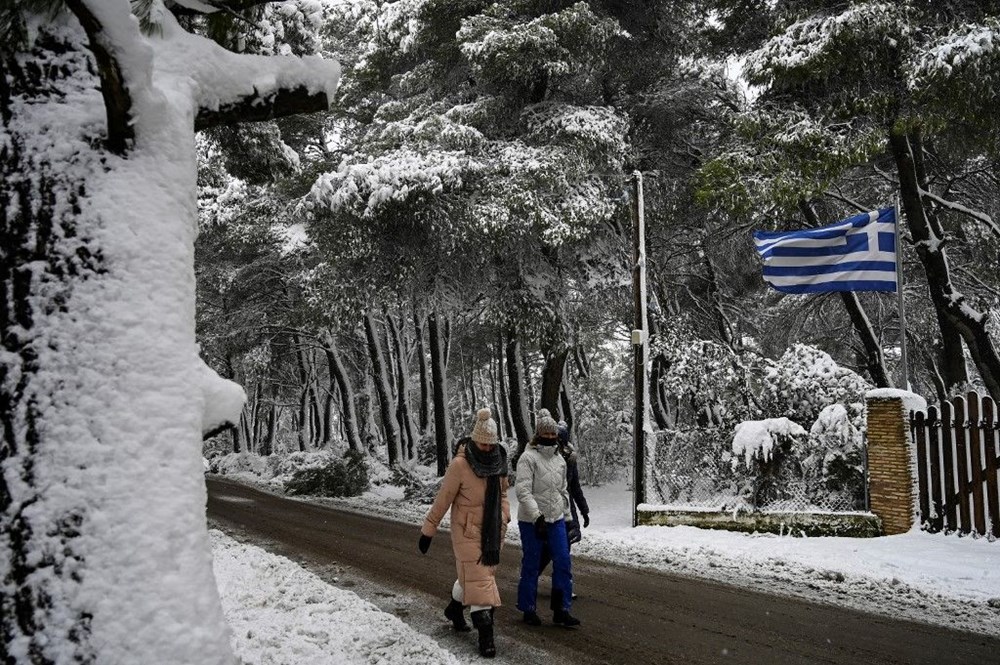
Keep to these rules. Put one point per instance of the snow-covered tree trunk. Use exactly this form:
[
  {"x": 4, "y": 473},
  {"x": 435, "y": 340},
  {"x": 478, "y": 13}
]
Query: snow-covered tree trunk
[
  {"x": 425, "y": 404},
  {"x": 439, "y": 381},
  {"x": 104, "y": 554},
  {"x": 552, "y": 378},
  {"x": 954, "y": 313},
  {"x": 515, "y": 389},
  {"x": 338, "y": 372},
  {"x": 382, "y": 388}
]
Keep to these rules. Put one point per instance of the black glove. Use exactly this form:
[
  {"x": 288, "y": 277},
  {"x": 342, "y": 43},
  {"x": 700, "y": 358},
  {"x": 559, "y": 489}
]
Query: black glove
[
  {"x": 541, "y": 528},
  {"x": 424, "y": 544},
  {"x": 586, "y": 520}
]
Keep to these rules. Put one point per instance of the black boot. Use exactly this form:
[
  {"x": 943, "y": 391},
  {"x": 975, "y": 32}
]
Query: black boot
[
  {"x": 455, "y": 612},
  {"x": 532, "y": 619},
  {"x": 483, "y": 621},
  {"x": 560, "y": 615}
]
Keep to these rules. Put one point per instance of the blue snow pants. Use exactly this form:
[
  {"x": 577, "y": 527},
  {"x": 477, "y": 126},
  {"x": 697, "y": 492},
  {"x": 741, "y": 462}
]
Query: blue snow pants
[{"x": 531, "y": 557}]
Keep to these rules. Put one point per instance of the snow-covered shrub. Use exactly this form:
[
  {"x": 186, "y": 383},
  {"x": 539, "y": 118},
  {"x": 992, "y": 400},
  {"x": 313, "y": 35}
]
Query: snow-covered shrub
[
  {"x": 339, "y": 477},
  {"x": 234, "y": 463},
  {"x": 766, "y": 449},
  {"x": 806, "y": 380},
  {"x": 419, "y": 483},
  {"x": 710, "y": 381},
  {"x": 283, "y": 467},
  {"x": 834, "y": 455}
]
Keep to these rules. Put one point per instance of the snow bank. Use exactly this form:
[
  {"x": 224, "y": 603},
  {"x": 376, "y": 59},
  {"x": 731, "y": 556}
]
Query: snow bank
[{"x": 281, "y": 614}]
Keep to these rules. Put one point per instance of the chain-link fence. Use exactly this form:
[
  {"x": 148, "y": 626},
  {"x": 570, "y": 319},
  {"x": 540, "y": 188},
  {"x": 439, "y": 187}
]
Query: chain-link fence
[{"x": 696, "y": 470}]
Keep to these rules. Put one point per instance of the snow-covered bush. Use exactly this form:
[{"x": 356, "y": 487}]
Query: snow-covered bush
[
  {"x": 283, "y": 467},
  {"x": 766, "y": 448},
  {"x": 806, "y": 380},
  {"x": 835, "y": 456},
  {"x": 339, "y": 477},
  {"x": 234, "y": 463}
]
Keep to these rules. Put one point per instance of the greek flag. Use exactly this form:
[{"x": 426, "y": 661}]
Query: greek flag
[{"x": 856, "y": 254}]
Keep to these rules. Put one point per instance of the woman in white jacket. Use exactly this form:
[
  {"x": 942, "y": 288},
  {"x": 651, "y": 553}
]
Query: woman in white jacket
[{"x": 542, "y": 513}]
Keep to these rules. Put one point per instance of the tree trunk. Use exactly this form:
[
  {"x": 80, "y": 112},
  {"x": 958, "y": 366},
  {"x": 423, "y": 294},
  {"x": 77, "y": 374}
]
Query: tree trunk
[
  {"x": 439, "y": 379},
  {"x": 552, "y": 377},
  {"x": 267, "y": 448},
  {"x": 97, "y": 306},
  {"x": 303, "y": 414},
  {"x": 515, "y": 386},
  {"x": 329, "y": 408},
  {"x": 954, "y": 313},
  {"x": 382, "y": 389},
  {"x": 566, "y": 402},
  {"x": 425, "y": 402},
  {"x": 349, "y": 418},
  {"x": 529, "y": 385},
  {"x": 403, "y": 409},
  {"x": 504, "y": 397}
]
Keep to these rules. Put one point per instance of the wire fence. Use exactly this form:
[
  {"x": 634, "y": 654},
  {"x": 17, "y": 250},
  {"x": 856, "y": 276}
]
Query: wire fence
[{"x": 696, "y": 470}]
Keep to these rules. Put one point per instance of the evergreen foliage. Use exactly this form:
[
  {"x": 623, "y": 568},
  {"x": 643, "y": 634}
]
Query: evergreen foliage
[{"x": 340, "y": 477}]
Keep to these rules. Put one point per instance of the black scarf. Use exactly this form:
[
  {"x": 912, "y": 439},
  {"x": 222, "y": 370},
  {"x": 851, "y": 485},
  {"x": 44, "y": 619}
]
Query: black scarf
[{"x": 491, "y": 465}]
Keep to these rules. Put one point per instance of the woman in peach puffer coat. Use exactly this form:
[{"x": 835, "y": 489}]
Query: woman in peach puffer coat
[{"x": 474, "y": 488}]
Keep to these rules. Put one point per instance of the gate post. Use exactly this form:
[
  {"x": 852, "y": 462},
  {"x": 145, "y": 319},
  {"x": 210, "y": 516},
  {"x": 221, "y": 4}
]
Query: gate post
[{"x": 892, "y": 459}]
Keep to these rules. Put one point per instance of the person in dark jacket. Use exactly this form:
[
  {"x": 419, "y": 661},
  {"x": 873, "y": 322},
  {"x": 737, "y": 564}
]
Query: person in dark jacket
[{"x": 577, "y": 501}]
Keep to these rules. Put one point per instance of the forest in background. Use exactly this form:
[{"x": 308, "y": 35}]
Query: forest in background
[{"x": 455, "y": 232}]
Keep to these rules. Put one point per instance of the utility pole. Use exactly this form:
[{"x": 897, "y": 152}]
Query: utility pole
[{"x": 640, "y": 346}]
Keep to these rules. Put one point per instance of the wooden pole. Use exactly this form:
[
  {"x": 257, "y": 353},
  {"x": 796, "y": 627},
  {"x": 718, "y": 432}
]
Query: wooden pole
[{"x": 640, "y": 346}]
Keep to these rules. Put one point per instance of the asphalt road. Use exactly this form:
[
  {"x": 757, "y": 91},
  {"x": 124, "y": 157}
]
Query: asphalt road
[{"x": 629, "y": 616}]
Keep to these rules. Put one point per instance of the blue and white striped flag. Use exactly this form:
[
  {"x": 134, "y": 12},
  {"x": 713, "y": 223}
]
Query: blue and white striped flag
[{"x": 856, "y": 254}]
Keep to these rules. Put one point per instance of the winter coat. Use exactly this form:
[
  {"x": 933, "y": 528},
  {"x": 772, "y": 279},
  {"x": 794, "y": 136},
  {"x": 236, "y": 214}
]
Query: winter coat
[
  {"x": 576, "y": 499},
  {"x": 464, "y": 493},
  {"x": 541, "y": 485}
]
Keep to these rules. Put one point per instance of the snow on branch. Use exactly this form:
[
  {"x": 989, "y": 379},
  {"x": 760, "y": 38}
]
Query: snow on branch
[
  {"x": 117, "y": 99},
  {"x": 757, "y": 438},
  {"x": 961, "y": 209},
  {"x": 230, "y": 87},
  {"x": 223, "y": 401}
]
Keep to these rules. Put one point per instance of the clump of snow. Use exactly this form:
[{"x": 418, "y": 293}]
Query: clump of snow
[
  {"x": 911, "y": 401},
  {"x": 757, "y": 438},
  {"x": 281, "y": 614},
  {"x": 224, "y": 400}
]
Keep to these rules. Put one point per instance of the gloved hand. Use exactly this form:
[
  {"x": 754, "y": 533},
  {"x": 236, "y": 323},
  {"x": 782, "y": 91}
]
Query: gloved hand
[
  {"x": 586, "y": 520},
  {"x": 541, "y": 528},
  {"x": 424, "y": 543}
]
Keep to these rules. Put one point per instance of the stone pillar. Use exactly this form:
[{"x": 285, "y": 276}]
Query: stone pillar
[{"x": 891, "y": 463}]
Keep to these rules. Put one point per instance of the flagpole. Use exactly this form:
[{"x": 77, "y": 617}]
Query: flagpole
[{"x": 899, "y": 292}]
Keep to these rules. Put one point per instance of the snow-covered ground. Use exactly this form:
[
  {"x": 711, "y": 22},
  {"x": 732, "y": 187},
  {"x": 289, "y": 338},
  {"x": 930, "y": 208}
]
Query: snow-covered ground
[
  {"x": 932, "y": 578},
  {"x": 281, "y": 614}
]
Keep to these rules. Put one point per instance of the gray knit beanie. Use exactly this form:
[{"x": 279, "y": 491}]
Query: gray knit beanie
[{"x": 545, "y": 425}]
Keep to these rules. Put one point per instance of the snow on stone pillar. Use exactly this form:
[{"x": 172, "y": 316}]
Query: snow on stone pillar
[{"x": 892, "y": 460}]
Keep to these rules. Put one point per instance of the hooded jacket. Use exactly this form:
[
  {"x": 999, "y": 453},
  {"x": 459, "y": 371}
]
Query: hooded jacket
[{"x": 541, "y": 485}]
